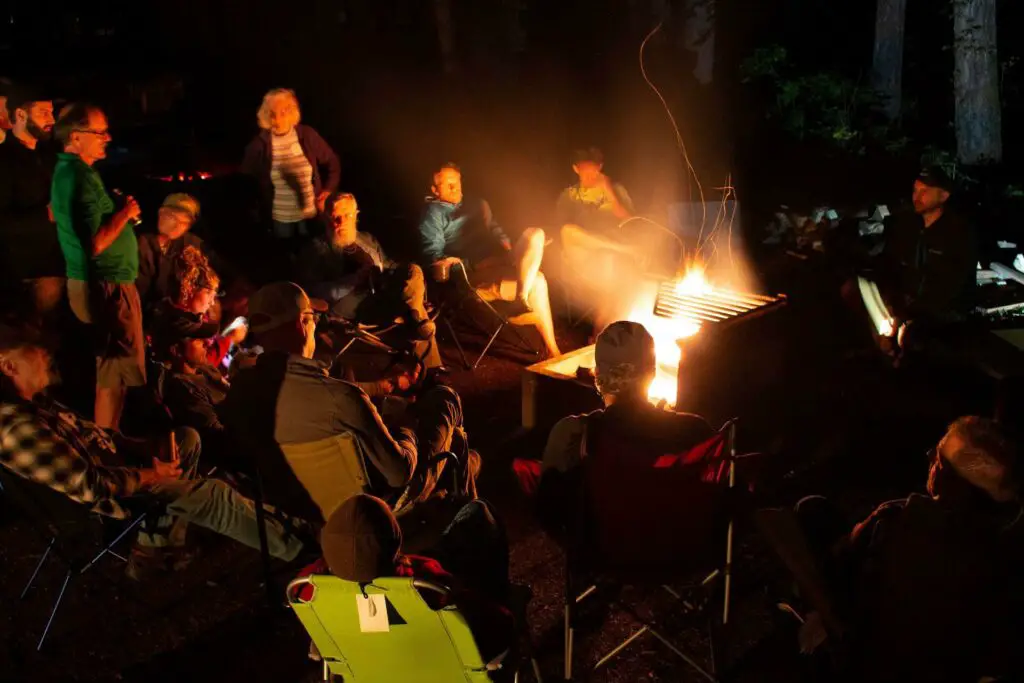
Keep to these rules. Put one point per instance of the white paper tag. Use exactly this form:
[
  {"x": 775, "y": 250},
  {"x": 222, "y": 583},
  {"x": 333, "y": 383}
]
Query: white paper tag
[{"x": 373, "y": 613}]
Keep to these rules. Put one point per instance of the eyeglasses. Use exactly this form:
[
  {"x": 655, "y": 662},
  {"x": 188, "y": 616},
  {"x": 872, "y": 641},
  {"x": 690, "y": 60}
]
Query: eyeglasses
[
  {"x": 339, "y": 218},
  {"x": 102, "y": 133},
  {"x": 313, "y": 316}
]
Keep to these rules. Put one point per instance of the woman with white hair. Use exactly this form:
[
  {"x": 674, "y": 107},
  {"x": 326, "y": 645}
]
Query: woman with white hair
[{"x": 295, "y": 169}]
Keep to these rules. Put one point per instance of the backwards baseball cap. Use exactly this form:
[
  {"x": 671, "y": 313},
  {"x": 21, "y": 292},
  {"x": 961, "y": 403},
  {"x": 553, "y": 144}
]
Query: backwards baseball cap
[
  {"x": 179, "y": 201},
  {"x": 278, "y": 303},
  {"x": 936, "y": 176},
  {"x": 624, "y": 355}
]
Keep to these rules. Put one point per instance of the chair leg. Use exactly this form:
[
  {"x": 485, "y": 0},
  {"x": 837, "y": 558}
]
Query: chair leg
[
  {"x": 39, "y": 565},
  {"x": 458, "y": 344},
  {"x": 261, "y": 529},
  {"x": 682, "y": 655},
  {"x": 53, "y": 612},
  {"x": 488, "y": 345},
  {"x": 135, "y": 523},
  {"x": 568, "y": 639}
]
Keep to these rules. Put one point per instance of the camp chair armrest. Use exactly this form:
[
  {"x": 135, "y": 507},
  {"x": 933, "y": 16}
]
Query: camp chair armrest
[
  {"x": 294, "y": 589},
  {"x": 431, "y": 586}
]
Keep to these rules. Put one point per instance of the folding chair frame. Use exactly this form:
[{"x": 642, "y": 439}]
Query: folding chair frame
[
  {"x": 75, "y": 567},
  {"x": 572, "y": 598},
  {"x": 463, "y": 298}
]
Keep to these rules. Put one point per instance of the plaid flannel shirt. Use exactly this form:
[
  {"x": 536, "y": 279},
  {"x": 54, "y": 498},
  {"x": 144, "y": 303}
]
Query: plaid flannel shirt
[{"x": 47, "y": 443}]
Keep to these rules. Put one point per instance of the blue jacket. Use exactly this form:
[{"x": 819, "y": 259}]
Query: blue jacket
[{"x": 467, "y": 230}]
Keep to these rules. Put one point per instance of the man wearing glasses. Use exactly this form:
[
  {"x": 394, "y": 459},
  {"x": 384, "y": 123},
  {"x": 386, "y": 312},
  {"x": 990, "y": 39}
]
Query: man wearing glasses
[
  {"x": 102, "y": 258},
  {"x": 309, "y": 431},
  {"x": 349, "y": 270}
]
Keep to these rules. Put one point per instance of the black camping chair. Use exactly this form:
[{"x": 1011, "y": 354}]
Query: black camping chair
[
  {"x": 75, "y": 537},
  {"x": 456, "y": 297}
]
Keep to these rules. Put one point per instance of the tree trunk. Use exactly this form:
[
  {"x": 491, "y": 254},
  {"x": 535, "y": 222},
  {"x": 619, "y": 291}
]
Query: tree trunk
[
  {"x": 887, "y": 64},
  {"x": 446, "y": 35},
  {"x": 979, "y": 137},
  {"x": 700, "y": 37}
]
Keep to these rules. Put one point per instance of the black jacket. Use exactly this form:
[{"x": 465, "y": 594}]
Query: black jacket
[
  {"x": 28, "y": 238},
  {"x": 930, "y": 272}
]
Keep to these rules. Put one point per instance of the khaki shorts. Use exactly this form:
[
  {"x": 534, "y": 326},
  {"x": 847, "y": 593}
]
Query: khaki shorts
[{"x": 115, "y": 312}]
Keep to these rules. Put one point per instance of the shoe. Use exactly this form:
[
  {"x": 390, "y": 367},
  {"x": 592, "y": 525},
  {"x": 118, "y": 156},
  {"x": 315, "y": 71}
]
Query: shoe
[{"x": 145, "y": 561}]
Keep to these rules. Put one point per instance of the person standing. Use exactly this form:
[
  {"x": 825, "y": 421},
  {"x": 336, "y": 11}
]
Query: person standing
[
  {"x": 102, "y": 257},
  {"x": 29, "y": 251},
  {"x": 288, "y": 161}
]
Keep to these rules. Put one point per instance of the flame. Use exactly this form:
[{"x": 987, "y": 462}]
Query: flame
[{"x": 668, "y": 331}]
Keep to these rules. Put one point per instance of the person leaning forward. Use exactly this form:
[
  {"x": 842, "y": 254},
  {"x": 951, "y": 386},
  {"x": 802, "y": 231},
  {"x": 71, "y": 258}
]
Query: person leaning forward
[{"x": 320, "y": 440}]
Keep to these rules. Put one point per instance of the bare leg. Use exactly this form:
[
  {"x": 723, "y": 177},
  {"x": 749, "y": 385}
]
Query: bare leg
[
  {"x": 109, "y": 406},
  {"x": 542, "y": 309},
  {"x": 529, "y": 252}
]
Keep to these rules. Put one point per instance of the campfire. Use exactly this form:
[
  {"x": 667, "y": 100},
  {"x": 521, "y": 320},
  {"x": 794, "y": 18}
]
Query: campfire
[{"x": 673, "y": 310}]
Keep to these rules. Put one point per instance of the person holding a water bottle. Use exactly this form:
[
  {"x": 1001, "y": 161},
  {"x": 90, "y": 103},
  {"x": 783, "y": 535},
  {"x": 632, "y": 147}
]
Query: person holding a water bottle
[{"x": 98, "y": 240}]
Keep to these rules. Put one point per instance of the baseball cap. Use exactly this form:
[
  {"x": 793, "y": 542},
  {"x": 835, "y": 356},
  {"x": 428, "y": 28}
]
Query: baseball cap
[
  {"x": 181, "y": 201},
  {"x": 624, "y": 354},
  {"x": 275, "y": 304},
  {"x": 936, "y": 176}
]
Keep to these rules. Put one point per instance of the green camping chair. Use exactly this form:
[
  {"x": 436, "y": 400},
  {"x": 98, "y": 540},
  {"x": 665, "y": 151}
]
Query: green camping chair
[{"x": 421, "y": 645}]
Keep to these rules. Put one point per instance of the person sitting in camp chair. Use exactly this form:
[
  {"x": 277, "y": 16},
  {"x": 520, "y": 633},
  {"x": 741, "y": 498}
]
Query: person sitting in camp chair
[
  {"x": 464, "y": 234},
  {"x": 927, "y": 588},
  {"x": 349, "y": 270},
  {"x": 189, "y": 311},
  {"x": 47, "y": 442},
  {"x": 625, "y": 367},
  {"x": 321, "y": 439},
  {"x": 363, "y": 542}
]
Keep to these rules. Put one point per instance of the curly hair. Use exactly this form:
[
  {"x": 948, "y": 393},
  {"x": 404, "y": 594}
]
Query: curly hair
[
  {"x": 194, "y": 273},
  {"x": 263, "y": 114}
]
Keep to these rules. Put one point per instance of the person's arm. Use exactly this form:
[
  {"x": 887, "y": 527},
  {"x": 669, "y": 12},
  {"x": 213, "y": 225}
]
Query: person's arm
[
  {"x": 493, "y": 226},
  {"x": 325, "y": 157},
  {"x": 431, "y": 229},
  {"x": 30, "y": 449},
  {"x": 87, "y": 208},
  {"x": 393, "y": 456},
  {"x": 560, "y": 474},
  {"x": 619, "y": 208}
]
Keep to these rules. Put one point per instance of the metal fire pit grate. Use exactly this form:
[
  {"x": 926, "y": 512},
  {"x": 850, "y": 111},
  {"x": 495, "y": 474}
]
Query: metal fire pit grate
[{"x": 715, "y": 306}]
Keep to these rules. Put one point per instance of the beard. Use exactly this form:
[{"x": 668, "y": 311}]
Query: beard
[{"x": 38, "y": 132}]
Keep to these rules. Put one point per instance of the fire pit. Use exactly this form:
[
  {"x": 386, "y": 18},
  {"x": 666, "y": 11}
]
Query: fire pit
[{"x": 707, "y": 342}]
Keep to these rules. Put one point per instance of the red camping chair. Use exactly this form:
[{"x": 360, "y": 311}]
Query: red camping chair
[{"x": 650, "y": 518}]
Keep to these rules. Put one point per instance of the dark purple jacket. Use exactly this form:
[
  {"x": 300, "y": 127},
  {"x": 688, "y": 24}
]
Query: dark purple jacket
[{"x": 259, "y": 156}]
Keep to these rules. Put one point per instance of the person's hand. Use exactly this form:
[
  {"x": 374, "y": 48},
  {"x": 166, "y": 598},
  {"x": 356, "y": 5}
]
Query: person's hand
[
  {"x": 450, "y": 261},
  {"x": 49, "y": 212},
  {"x": 166, "y": 471},
  {"x": 407, "y": 378},
  {"x": 238, "y": 335},
  {"x": 321, "y": 200},
  {"x": 604, "y": 183},
  {"x": 506, "y": 244},
  {"x": 131, "y": 210},
  {"x": 812, "y": 633}
]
